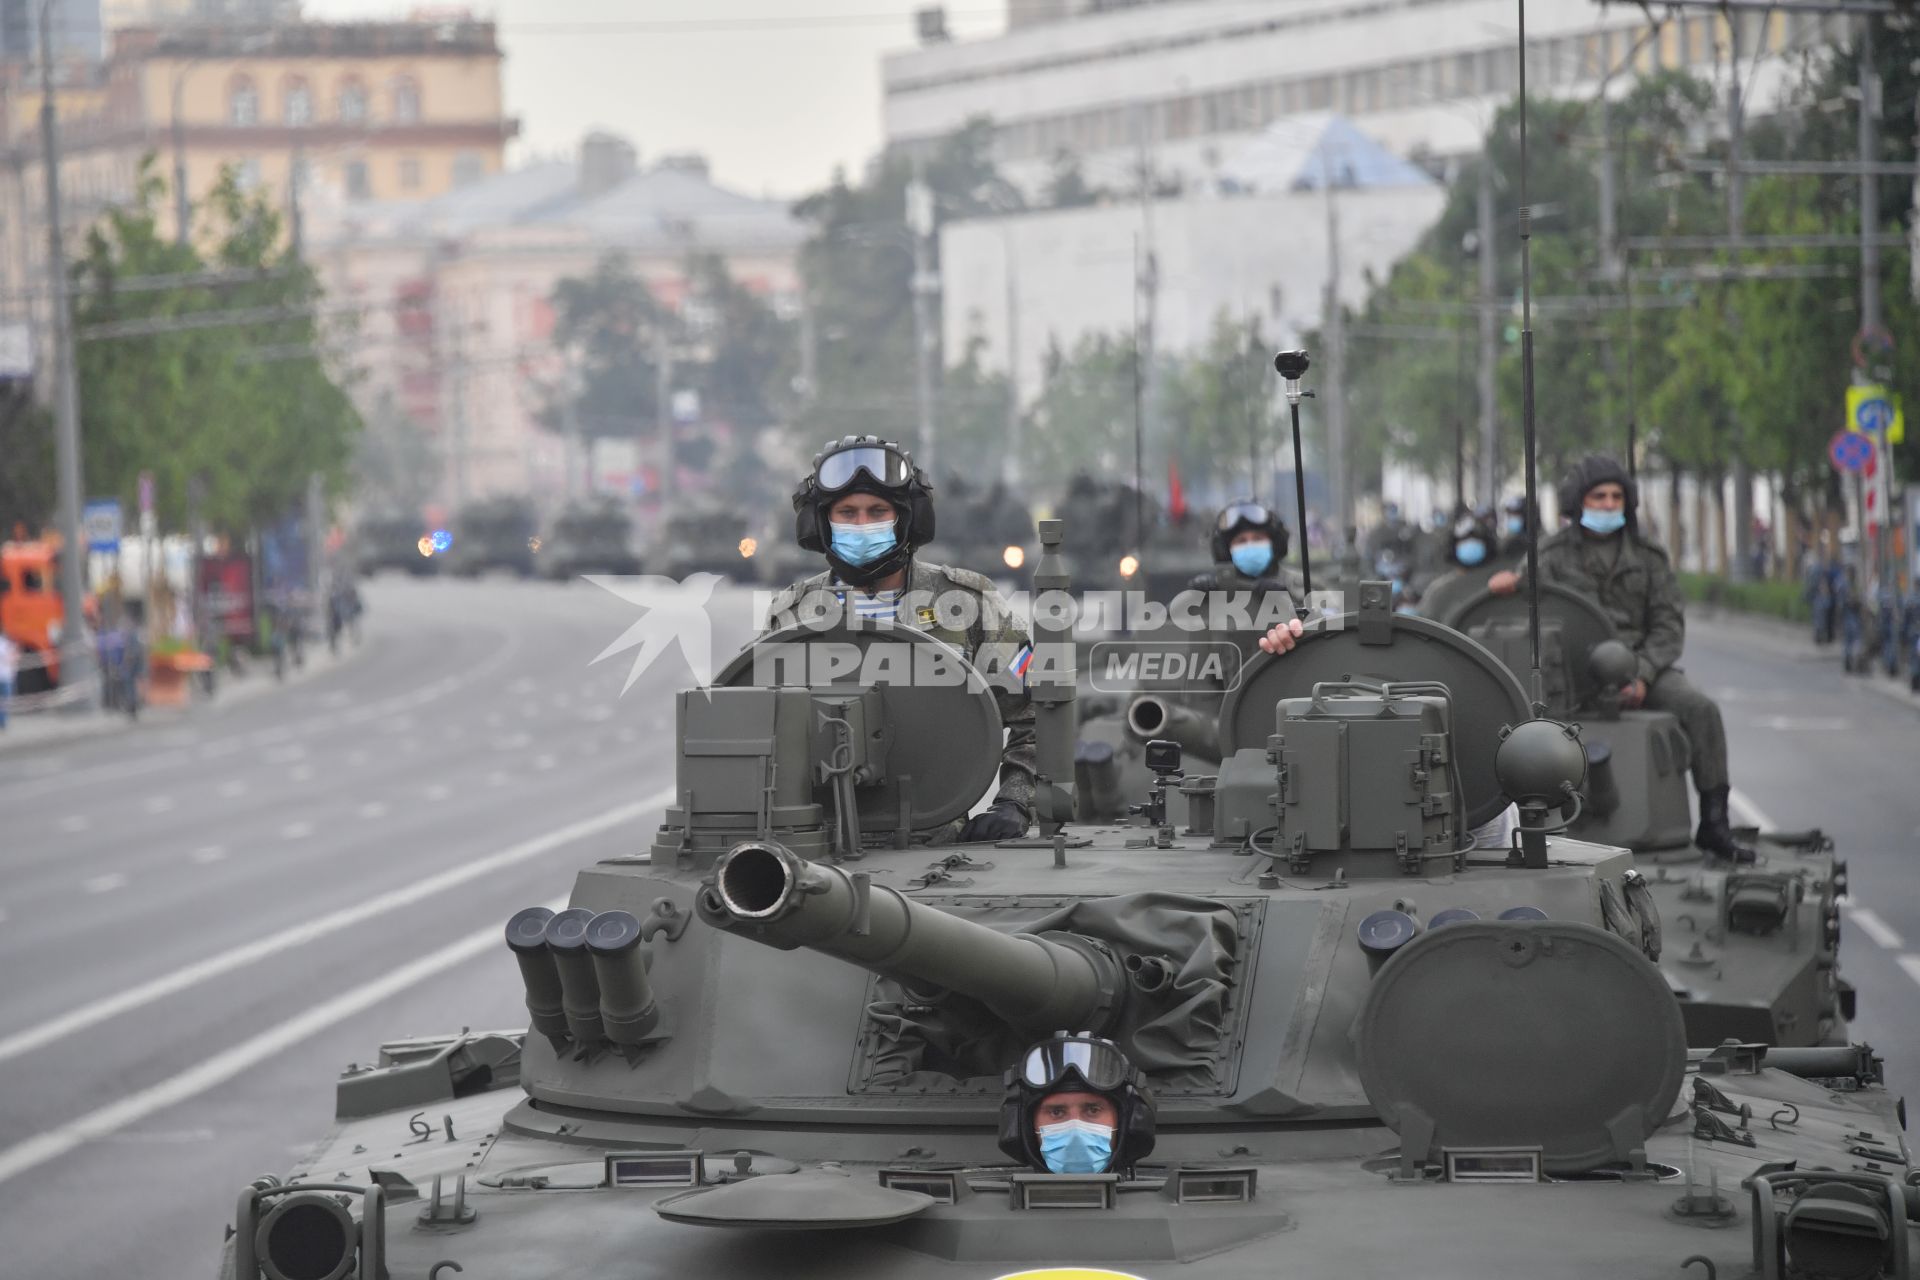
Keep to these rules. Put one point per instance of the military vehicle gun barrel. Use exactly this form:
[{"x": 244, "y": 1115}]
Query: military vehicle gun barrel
[
  {"x": 1150, "y": 717},
  {"x": 764, "y": 891}
]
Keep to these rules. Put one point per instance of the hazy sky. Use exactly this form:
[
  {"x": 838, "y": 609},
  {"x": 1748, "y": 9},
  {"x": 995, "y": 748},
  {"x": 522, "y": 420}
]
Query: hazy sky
[{"x": 774, "y": 92}]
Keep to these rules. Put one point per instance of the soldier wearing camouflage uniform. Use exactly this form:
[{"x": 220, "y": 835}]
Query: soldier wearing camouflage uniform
[
  {"x": 867, "y": 508},
  {"x": 1602, "y": 555},
  {"x": 1249, "y": 544}
]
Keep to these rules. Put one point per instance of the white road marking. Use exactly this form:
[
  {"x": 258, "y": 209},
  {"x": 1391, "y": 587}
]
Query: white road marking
[
  {"x": 159, "y": 804},
  {"x": 224, "y": 1066},
  {"x": 544, "y": 761},
  {"x": 75, "y": 823},
  {"x": 439, "y": 791},
  {"x": 285, "y": 755},
  {"x": 296, "y": 831},
  {"x": 189, "y": 976},
  {"x": 356, "y": 758},
  {"x": 234, "y": 789},
  {"x": 300, "y": 773},
  {"x": 105, "y": 884},
  {"x": 626, "y": 735},
  {"x": 211, "y": 853},
  {"x": 1737, "y": 799},
  {"x": 373, "y": 809},
  {"x": 1813, "y": 724},
  {"x": 1874, "y": 927},
  {"x": 498, "y": 778},
  {"x": 3, "y": 915},
  {"x": 1912, "y": 965},
  {"x": 597, "y": 713},
  {"x": 161, "y": 1137},
  {"x": 495, "y": 719}
]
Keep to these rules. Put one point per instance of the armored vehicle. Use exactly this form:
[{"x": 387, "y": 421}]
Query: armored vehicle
[
  {"x": 494, "y": 533},
  {"x": 772, "y": 1043},
  {"x": 708, "y": 540},
  {"x": 986, "y": 529},
  {"x": 589, "y": 537},
  {"x": 1753, "y": 950},
  {"x": 393, "y": 541}
]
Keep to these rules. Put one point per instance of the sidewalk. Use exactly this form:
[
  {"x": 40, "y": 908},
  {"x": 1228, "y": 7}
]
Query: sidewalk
[
  {"x": 40, "y": 730},
  {"x": 1791, "y": 640}
]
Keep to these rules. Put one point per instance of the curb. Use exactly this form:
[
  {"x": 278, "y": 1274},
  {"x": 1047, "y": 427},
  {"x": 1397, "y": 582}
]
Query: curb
[
  {"x": 99, "y": 724},
  {"x": 1793, "y": 641}
]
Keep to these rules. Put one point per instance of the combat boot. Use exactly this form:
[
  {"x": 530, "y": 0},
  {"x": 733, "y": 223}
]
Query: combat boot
[{"x": 1716, "y": 832}]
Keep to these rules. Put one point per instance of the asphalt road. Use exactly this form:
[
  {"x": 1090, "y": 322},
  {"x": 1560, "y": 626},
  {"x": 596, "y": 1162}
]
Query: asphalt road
[
  {"x": 1814, "y": 747},
  {"x": 201, "y": 924}
]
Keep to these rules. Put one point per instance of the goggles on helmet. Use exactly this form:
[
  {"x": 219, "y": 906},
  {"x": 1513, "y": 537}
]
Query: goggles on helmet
[
  {"x": 884, "y": 466},
  {"x": 1098, "y": 1062},
  {"x": 1243, "y": 513}
]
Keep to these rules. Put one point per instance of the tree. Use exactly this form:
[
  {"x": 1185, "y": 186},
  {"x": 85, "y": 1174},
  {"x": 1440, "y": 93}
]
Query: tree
[
  {"x": 612, "y": 325},
  {"x": 1067, "y": 185},
  {"x": 26, "y": 461},
  {"x": 1083, "y": 419},
  {"x": 219, "y": 381},
  {"x": 1222, "y": 406}
]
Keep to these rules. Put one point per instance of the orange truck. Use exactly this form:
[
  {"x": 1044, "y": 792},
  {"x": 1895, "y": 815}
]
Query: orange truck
[{"x": 30, "y": 611}]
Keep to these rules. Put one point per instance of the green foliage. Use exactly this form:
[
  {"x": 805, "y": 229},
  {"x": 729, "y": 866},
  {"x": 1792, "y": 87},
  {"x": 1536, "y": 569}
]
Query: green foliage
[
  {"x": 246, "y": 408},
  {"x": 26, "y": 462},
  {"x": 858, "y": 271},
  {"x": 1221, "y": 408},
  {"x": 1770, "y": 599},
  {"x": 611, "y": 323},
  {"x": 395, "y": 463},
  {"x": 1083, "y": 418}
]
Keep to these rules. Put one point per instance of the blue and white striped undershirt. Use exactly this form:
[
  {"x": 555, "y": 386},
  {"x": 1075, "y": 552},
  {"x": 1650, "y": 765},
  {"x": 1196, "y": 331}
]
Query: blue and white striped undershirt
[{"x": 883, "y": 604}]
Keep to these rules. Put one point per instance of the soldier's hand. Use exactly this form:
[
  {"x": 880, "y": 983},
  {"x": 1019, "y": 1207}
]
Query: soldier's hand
[
  {"x": 1002, "y": 821},
  {"x": 1283, "y": 637},
  {"x": 1504, "y": 583},
  {"x": 1633, "y": 694}
]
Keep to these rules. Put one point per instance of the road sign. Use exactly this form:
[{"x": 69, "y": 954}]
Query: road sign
[
  {"x": 1872, "y": 410},
  {"x": 100, "y": 524},
  {"x": 1849, "y": 450}
]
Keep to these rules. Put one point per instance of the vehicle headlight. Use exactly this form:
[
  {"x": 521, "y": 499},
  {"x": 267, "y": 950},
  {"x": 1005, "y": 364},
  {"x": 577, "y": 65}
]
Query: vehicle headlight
[
  {"x": 1129, "y": 565},
  {"x": 426, "y": 546},
  {"x": 747, "y": 547},
  {"x": 1014, "y": 557}
]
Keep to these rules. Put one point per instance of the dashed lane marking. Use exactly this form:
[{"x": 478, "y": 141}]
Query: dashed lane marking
[
  {"x": 159, "y": 804},
  {"x": 106, "y": 1121},
  {"x": 373, "y": 809},
  {"x": 189, "y": 976},
  {"x": 73, "y": 824},
  {"x": 296, "y": 831},
  {"x": 105, "y": 884},
  {"x": 211, "y": 853},
  {"x": 439, "y": 791},
  {"x": 300, "y": 773},
  {"x": 233, "y": 790},
  {"x": 1874, "y": 927},
  {"x": 1912, "y": 965}
]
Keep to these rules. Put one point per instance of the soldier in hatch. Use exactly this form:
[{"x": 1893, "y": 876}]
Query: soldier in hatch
[
  {"x": 1075, "y": 1104},
  {"x": 1602, "y": 555},
  {"x": 868, "y": 509}
]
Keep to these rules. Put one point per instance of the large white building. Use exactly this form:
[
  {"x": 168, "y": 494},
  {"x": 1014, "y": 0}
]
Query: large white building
[
  {"x": 1253, "y": 247},
  {"x": 1177, "y": 82}
]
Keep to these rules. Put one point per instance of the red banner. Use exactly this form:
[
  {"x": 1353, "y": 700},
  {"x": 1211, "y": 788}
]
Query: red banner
[{"x": 226, "y": 587}]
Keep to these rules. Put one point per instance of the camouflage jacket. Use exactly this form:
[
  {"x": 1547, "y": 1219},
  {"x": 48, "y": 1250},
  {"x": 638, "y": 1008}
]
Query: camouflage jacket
[
  {"x": 1634, "y": 584},
  {"x": 989, "y": 623}
]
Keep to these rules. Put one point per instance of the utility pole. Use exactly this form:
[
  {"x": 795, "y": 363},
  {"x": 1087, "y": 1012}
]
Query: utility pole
[
  {"x": 1741, "y": 570},
  {"x": 925, "y": 285},
  {"x": 1010, "y": 458},
  {"x": 73, "y": 634},
  {"x": 1339, "y": 477},
  {"x": 1489, "y": 281},
  {"x": 1870, "y": 315},
  {"x": 182, "y": 202},
  {"x": 663, "y": 416},
  {"x": 455, "y": 393},
  {"x": 1148, "y": 291}
]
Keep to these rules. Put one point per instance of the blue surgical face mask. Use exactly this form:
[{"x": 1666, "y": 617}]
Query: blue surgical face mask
[
  {"x": 1470, "y": 551},
  {"x": 1076, "y": 1146},
  {"x": 860, "y": 544},
  {"x": 1252, "y": 558},
  {"x": 1595, "y": 520},
  {"x": 1516, "y": 525}
]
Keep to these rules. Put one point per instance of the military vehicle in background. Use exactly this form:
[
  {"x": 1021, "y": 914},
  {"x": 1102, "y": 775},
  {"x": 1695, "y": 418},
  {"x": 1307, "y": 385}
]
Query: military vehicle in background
[
  {"x": 1753, "y": 952},
  {"x": 394, "y": 540},
  {"x": 592, "y": 536},
  {"x": 706, "y": 539},
  {"x": 500, "y": 532},
  {"x": 984, "y": 528},
  {"x": 1370, "y": 1043}
]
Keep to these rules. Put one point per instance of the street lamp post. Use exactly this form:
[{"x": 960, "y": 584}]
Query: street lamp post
[{"x": 73, "y": 643}]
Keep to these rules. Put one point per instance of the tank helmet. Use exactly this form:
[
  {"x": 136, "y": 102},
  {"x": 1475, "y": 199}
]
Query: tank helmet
[
  {"x": 1468, "y": 528},
  {"x": 1598, "y": 469},
  {"x": 1066, "y": 1062},
  {"x": 1242, "y": 516},
  {"x": 864, "y": 464}
]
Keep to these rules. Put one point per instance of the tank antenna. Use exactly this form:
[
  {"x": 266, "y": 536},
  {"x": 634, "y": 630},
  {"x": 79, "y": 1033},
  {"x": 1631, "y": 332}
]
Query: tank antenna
[
  {"x": 1538, "y": 689},
  {"x": 1291, "y": 365}
]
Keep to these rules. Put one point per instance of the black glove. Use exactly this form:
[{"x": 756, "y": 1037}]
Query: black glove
[{"x": 1005, "y": 820}]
